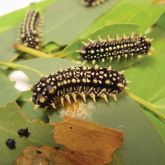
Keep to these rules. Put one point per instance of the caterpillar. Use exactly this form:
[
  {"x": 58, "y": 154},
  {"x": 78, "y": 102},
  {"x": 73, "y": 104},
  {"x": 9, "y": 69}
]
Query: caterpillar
[
  {"x": 92, "y": 3},
  {"x": 30, "y": 30},
  {"x": 66, "y": 85},
  {"x": 119, "y": 48}
]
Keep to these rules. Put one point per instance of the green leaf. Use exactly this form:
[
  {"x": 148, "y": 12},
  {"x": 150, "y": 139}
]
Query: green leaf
[
  {"x": 6, "y": 41},
  {"x": 112, "y": 31},
  {"x": 11, "y": 120},
  {"x": 27, "y": 108},
  {"x": 142, "y": 143},
  {"x": 32, "y": 114},
  {"x": 8, "y": 93},
  {"x": 143, "y": 13},
  {"x": 147, "y": 77},
  {"x": 161, "y": 22},
  {"x": 13, "y": 19},
  {"x": 9, "y": 31},
  {"x": 159, "y": 125},
  {"x": 34, "y": 68},
  {"x": 70, "y": 19}
]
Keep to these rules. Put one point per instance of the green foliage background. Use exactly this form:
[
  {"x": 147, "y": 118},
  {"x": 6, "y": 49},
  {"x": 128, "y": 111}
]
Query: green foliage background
[{"x": 66, "y": 23}]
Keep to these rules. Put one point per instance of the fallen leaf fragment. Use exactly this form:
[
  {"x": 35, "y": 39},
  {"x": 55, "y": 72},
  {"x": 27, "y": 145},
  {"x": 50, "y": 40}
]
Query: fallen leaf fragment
[
  {"x": 43, "y": 156},
  {"x": 159, "y": 1},
  {"x": 90, "y": 142}
]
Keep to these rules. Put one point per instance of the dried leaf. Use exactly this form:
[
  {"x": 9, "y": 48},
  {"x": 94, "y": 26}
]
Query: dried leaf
[
  {"x": 91, "y": 143},
  {"x": 159, "y": 1},
  {"x": 44, "y": 155}
]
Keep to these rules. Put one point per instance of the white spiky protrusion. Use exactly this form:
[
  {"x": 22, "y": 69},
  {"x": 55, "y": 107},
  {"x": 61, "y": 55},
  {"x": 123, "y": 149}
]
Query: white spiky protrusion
[
  {"x": 62, "y": 101},
  {"x": 53, "y": 105},
  {"x": 36, "y": 107},
  {"x": 74, "y": 97},
  {"x": 114, "y": 97},
  {"x": 121, "y": 72},
  {"x": 93, "y": 62},
  {"x": 68, "y": 98},
  {"x": 92, "y": 95},
  {"x": 109, "y": 68},
  {"x": 83, "y": 96},
  {"x": 84, "y": 43},
  {"x": 104, "y": 96},
  {"x": 109, "y": 38},
  {"x": 91, "y": 41},
  {"x": 124, "y": 36}
]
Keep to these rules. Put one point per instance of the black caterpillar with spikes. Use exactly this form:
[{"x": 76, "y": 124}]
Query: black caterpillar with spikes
[
  {"x": 92, "y": 3},
  {"x": 55, "y": 89},
  {"x": 30, "y": 30},
  {"x": 118, "y": 48}
]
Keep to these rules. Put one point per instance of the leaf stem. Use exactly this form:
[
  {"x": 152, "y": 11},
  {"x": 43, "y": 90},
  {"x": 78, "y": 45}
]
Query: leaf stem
[
  {"x": 35, "y": 52},
  {"x": 31, "y": 51},
  {"x": 151, "y": 107},
  {"x": 59, "y": 55},
  {"x": 16, "y": 66}
]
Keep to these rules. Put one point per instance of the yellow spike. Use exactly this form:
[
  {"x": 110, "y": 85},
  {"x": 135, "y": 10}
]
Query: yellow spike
[
  {"x": 109, "y": 68},
  {"x": 84, "y": 67},
  {"x": 83, "y": 96},
  {"x": 72, "y": 67},
  {"x": 126, "y": 88},
  {"x": 84, "y": 43},
  {"x": 117, "y": 37},
  {"x": 96, "y": 67},
  {"x": 30, "y": 99},
  {"x": 84, "y": 62},
  {"x": 68, "y": 98},
  {"x": 103, "y": 60},
  {"x": 36, "y": 107},
  {"x": 152, "y": 50},
  {"x": 93, "y": 61},
  {"x": 78, "y": 51},
  {"x": 124, "y": 36},
  {"x": 114, "y": 97},
  {"x": 99, "y": 38},
  {"x": 121, "y": 72},
  {"x": 132, "y": 35},
  {"x": 53, "y": 105},
  {"x": 92, "y": 95},
  {"x": 139, "y": 56},
  {"x": 42, "y": 99},
  {"x": 62, "y": 101},
  {"x": 109, "y": 38},
  {"x": 120, "y": 85},
  {"x": 81, "y": 51},
  {"x": 111, "y": 58},
  {"x": 104, "y": 96},
  {"x": 74, "y": 97},
  {"x": 91, "y": 41},
  {"x": 128, "y": 81}
]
